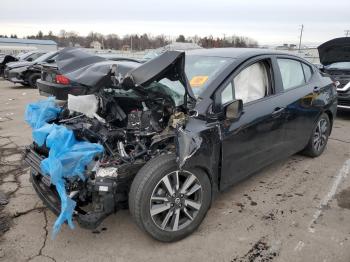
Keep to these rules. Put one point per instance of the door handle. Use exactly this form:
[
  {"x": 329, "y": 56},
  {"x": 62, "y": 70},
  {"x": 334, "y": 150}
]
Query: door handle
[{"x": 277, "y": 111}]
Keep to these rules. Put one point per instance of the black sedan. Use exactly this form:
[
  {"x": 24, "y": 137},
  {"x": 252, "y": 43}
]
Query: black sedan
[{"x": 181, "y": 128}]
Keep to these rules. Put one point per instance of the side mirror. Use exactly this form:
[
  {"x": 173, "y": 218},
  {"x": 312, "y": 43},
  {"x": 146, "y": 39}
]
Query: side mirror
[
  {"x": 50, "y": 61},
  {"x": 234, "y": 110},
  {"x": 30, "y": 59}
]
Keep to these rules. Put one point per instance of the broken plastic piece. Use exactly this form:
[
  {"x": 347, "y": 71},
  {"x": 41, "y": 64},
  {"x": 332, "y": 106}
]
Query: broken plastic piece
[{"x": 86, "y": 105}]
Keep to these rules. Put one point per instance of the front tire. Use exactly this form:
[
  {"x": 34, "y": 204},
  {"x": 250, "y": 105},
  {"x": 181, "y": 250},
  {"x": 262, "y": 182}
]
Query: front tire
[
  {"x": 319, "y": 138},
  {"x": 32, "y": 80},
  {"x": 167, "y": 203}
]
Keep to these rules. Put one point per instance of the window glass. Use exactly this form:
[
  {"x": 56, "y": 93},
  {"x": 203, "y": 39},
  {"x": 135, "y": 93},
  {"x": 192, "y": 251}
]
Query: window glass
[
  {"x": 291, "y": 72},
  {"x": 35, "y": 56},
  {"x": 252, "y": 83},
  {"x": 227, "y": 94},
  {"x": 307, "y": 72},
  {"x": 45, "y": 57}
]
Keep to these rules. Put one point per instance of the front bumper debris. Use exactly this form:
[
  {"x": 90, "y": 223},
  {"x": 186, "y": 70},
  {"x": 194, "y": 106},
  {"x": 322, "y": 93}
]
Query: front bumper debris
[{"x": 104, "y": 202}]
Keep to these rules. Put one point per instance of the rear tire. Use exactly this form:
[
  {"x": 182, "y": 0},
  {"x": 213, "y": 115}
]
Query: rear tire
[
  {"x": 319, "y": 137},
  {"x": 159, "y": 185}
]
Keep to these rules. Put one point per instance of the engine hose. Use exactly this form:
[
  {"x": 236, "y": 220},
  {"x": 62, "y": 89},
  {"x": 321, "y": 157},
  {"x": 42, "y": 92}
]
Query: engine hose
[{"x": 143, "y": 151}]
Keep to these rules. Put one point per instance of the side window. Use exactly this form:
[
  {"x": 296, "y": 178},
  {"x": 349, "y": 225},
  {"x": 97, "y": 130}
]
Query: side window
[
  {"x": 227, "y": 94},
  {"x": 307, "y": 72},
  {"x": 291, "y": 72},
  {"x": 251, "y": 84}
]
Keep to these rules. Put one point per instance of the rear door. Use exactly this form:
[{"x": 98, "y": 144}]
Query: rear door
[
  {"x": 257, "y": 138},
  {"x": 297, "y": 82}
]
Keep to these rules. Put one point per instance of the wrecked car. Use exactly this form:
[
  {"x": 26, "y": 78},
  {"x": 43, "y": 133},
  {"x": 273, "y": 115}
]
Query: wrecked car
[
  {"x": 8, "y": 59},
  {"x": 27, "y": 73},
  {"x": 335, "y": 60},
  {"x": 163, "y": 138}
]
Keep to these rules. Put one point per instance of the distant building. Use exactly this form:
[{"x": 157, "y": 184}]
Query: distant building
[
  {"x": 17, "y": 45},
  {"x": 286, "y": 47},
  {"x": 96, "y": 45},
  {"x": 125, "y": 48}
]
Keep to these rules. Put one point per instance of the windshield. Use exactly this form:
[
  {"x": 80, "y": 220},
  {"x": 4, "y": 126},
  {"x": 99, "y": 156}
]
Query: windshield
[
  {"x": 200, "y": 71},
  {"x": 44, "y": 57},
  {"x": 339, "y": 65},
  {"x": 33, "y": 56}
]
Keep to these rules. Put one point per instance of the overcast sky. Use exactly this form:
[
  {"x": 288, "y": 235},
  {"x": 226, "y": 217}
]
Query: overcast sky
[{"x": 267, "y": 21}]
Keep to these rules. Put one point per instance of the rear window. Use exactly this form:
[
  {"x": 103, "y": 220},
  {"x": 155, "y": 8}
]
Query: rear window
[{"x": 292, "y": 73}]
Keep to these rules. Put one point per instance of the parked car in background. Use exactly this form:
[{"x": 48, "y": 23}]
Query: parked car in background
[
  {"x": 27, "y": 73},
  {"x": 176, "y": 46},
  {"x": 54, "y": 83},
  {"x": 180, "y": 128},
  {"x": 335, "y": 60},
  {"x": 8, "y": 59}
]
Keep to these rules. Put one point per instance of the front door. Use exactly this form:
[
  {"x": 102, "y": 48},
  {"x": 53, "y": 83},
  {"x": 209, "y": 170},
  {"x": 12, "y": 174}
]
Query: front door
[{"x": 257, "y": 138}]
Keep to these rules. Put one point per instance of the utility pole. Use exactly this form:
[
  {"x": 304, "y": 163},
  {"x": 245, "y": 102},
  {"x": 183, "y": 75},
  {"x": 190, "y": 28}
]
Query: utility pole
[
  {"x": 347, "y": 33},
  {"x": 301, "y": 36}
]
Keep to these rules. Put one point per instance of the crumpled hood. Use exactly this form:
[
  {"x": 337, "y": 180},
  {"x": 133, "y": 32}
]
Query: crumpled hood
[
  {"x": 19, "y": 64},
  {"x": 169, "y": 65},
  {"x": 334, "y": 51}
]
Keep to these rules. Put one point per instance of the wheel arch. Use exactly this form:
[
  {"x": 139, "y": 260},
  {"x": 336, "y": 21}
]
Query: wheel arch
[
  {"x": 331, "y": 118},
  {"x": 211, "y": 176}
]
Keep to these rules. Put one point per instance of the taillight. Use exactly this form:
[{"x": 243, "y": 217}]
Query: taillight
[{"x": 61, "y": 79}]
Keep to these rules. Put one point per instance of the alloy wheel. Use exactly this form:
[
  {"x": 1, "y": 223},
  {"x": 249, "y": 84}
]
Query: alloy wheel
[
  {"x": 320, "y": 135},
  {"x": 176, "y": 200}
]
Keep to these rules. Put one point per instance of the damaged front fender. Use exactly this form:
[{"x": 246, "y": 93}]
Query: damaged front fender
[
  {"x": 198, "y": 145},
  {"x": 187, "y": 145}
]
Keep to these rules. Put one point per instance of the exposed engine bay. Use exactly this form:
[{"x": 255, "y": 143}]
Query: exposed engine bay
[{"x": 131, "y": 129}]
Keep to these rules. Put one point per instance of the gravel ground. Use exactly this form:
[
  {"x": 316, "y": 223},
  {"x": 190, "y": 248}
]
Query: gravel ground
[{"x": 294, "y": 210}]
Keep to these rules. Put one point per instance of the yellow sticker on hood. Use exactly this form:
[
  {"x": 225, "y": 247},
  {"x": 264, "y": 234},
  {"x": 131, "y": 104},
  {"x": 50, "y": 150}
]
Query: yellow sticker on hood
[{"x": 198, "y": 81}]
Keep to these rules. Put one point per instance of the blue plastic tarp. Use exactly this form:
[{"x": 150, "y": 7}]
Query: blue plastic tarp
[
  {"x": 67, "y": 158},
  {"x": 39, "y": 113}
]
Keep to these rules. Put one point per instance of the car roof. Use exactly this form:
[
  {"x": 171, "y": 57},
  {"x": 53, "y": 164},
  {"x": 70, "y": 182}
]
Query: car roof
[{"x": 235, "y": 52}]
